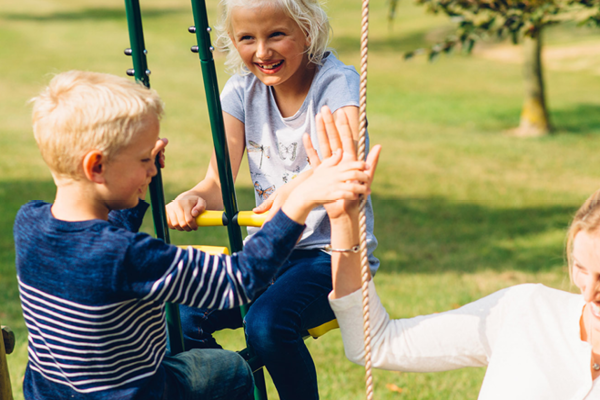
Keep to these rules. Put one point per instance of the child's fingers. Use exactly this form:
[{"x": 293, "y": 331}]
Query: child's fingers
[
  {"x": 331, "y": 129},
  {"x": 313, "y": 156},
  {"x": 198, "y": 208},
  {"x": 182, "y": 223},
  {"x": 174, "y": 217},
  {"x": 345, "y": 134},
  {"x": 334, "y": 160},
  {"x": 265, "y": 205},
  {"x": 353, "y": 175},
  {"x": 180, "y": 217},
  {"x": 159, "y": 146},
  {"x": 372, "y": 161},
  {"x": 322, "y": 137},
  {"x": 346, "y": 191},
  {"x": 354, "y": 187}
]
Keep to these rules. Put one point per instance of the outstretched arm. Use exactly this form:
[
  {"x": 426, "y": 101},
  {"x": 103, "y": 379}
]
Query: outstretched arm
[
  {"x": 335, "y": 133},
  {"x": 422, "y": 344}
]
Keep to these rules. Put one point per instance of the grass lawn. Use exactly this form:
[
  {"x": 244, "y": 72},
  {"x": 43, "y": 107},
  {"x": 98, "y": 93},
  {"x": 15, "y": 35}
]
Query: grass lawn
[{"x": 462, "y": 209}]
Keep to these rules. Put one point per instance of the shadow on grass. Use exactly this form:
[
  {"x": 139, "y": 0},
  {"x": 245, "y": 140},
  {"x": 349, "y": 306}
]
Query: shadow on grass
[
  {"x": 393, "y": 42},
  {"x": 582, "y": 119},
  {"x": 96, "y": 14},
  {"x": 432, "y": 235}
]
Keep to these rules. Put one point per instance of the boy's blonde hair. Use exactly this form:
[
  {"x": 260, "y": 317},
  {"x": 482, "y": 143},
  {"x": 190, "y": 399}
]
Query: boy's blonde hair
[
  {"x": 586, "y": 219},
  {"x": 308, "y": 14},
  {"x": 82, "y": 111}
]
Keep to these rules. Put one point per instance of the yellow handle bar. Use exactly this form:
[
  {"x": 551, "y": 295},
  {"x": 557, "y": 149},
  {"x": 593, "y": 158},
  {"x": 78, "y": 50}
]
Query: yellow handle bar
[
  {"x": 248, "y": 218},
  {"x": 215, "y": 250},
  {"x": 211, "y": 218},
  {"x": 243, "y": 218}
]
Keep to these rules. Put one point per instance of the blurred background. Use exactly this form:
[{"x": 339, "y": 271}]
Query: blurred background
[{"x": 465, "y": 202}]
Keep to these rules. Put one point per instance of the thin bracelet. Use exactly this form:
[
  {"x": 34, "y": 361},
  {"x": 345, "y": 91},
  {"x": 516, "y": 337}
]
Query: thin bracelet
[{"x": 353, "y": 249}]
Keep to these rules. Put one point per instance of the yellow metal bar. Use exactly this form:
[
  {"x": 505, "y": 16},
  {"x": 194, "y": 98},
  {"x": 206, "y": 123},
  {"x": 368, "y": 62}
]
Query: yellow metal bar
[
  {"x": 211, "y": 218},
  {"x": 242, "y": 218},
  {"x": 209, "y": 249},
  {"x": 248, "y": 218},
  {"x": 323, "y": 329}
]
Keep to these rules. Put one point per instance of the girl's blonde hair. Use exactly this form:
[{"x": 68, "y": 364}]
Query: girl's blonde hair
[
  {"x": 308, "y": 14},
  {"x": 82, "y": 111},
  {"x": 586, "y": 219}
]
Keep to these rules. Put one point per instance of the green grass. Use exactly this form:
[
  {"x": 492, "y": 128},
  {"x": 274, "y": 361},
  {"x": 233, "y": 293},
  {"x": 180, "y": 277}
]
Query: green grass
[{"x": 462, "y": 209}]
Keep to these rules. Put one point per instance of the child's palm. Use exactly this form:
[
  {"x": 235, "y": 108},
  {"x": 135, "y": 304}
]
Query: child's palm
[{"x": 333, "y": 136}]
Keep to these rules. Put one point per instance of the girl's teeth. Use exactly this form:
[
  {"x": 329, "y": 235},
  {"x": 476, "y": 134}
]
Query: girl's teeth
[
  {"x": 270, "y": 66},
  {"x": 595, "y": 308}
]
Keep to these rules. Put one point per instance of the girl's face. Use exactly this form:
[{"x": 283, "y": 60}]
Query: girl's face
[
  {"x": 271, "y": 44},
  {"x": 586, "y": 274}
]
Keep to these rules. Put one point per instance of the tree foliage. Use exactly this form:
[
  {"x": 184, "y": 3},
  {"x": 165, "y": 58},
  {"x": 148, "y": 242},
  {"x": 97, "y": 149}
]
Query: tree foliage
[{"x": 515, "y": 19}]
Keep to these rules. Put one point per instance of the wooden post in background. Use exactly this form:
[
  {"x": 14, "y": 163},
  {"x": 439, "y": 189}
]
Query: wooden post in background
[{"x": 7, "y": 345}]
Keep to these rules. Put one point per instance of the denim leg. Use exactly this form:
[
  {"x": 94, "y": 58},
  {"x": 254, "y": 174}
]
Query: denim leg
[
  {"x": 198, "y": 325},
  {"x": 208, "y": 374},
  {"x": 295, "y": 302}
]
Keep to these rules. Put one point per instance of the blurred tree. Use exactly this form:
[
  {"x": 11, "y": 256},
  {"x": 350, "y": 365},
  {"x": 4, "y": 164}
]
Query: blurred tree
[{"x": 520, "y": 20}]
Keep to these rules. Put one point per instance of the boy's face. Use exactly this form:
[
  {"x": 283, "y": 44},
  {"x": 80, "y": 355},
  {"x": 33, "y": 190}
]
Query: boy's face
[{"x": 130, "y": 171}]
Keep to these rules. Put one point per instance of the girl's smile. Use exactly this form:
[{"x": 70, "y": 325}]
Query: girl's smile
[
  {"x": 273, "y": 47},
  {"x": 270, "y": 68}
]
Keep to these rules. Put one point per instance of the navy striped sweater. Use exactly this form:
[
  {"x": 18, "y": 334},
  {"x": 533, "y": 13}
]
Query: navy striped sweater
[{"x": 93, "y": 295}]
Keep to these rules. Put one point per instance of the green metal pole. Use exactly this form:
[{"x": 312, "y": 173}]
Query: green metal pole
[
  {"x": 157, "y": 198},
  {"x": 211, "y": 88}
]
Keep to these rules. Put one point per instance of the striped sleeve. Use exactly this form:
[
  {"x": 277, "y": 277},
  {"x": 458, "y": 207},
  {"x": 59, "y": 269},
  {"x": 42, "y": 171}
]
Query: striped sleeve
[{"x": 201, "y": 280}]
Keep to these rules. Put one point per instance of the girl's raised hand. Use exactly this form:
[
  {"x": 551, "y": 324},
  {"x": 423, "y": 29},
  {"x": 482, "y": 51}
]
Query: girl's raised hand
[
  {"x": 331, "y": 181},
  {"x": 334, "y": 134}
]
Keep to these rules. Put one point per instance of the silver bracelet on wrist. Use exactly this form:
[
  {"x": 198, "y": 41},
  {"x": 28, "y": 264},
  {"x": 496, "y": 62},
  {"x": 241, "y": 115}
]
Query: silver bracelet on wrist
[{"x": 353, "y": 249}]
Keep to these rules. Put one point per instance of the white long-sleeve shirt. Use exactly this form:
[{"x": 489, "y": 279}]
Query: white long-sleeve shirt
[{"x": 528, "y": 336}]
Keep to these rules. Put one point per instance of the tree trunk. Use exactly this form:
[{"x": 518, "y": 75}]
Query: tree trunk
[{"x": 534, "y": 116}]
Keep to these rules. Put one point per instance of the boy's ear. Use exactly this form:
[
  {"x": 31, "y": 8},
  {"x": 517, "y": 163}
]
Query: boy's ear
[{"x": 94, "y": 165}]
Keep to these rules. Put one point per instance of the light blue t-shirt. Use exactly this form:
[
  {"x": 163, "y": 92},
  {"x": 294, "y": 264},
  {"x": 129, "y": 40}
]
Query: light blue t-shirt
[{"x": 276, "y": 154}]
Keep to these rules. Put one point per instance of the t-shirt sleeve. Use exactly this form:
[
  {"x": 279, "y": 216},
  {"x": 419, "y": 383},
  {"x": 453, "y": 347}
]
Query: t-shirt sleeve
[
  {"x": 339, "y": 88},
  {"x": 438, "y": 342},
  {"x": 156, "y": 271},
  {"x": 130, "y": 219},
  {"x": 232, "y": 97}
]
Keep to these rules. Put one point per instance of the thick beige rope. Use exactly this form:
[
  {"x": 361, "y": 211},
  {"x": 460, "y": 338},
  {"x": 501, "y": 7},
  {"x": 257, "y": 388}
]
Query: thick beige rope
[{"x": 362, "y": 217}]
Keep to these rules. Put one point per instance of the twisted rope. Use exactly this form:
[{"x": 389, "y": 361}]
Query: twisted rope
[{"x": 364, "y": 45}]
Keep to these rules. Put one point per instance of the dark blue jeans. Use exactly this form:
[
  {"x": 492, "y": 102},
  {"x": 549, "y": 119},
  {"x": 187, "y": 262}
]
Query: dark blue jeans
[
  {"x": 203, "y": 374},
  {"x": 295, "y": 302}
]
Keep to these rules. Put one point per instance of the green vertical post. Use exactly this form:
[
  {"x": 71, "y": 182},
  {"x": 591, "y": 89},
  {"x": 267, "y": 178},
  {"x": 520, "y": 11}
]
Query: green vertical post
[
  {"x": 211, "y": 88},
  {"x": 157, "y": 197}
]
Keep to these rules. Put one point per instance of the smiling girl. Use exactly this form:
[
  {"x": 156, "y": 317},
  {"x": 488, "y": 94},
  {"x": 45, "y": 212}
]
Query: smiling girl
[{"x": 283, "y": 75}]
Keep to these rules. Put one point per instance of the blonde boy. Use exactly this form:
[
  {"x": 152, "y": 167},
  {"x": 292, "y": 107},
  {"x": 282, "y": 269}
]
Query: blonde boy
[{"x": 93, "y": 288}]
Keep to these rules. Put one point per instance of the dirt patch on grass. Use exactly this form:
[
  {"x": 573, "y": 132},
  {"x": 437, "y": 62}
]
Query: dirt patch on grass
[{"x": 574, "y": 58}]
